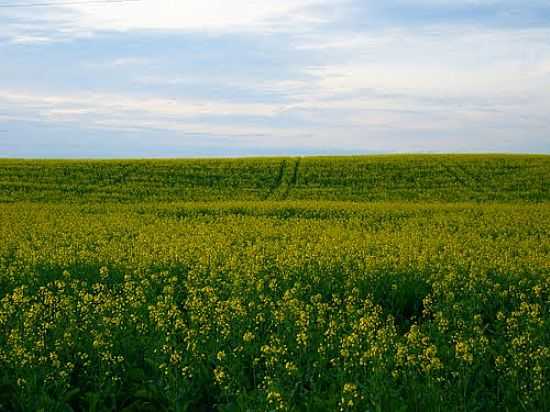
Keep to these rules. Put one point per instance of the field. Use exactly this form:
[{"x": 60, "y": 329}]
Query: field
[
  {"x": 377, "y": 178},
  {"x": 383, "y": 283}
]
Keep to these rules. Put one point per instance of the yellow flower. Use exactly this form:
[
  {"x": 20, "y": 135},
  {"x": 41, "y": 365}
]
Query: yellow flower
[
  {"x": 219, "y": 375},
  {"x": 463, "y": 352},
  {"x": 500, "y": 361},
  {"x": 248, "y": 337}
]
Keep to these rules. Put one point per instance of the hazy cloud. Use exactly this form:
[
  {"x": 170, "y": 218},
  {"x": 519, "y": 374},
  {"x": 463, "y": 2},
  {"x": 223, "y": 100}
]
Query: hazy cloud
[{"x": 338, "y": 76}]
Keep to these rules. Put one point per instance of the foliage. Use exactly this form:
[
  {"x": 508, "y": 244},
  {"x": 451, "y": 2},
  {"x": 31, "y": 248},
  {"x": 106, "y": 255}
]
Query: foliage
[
  {"x": 444, "y": 178},
  {"x": 274, "y": 305}
]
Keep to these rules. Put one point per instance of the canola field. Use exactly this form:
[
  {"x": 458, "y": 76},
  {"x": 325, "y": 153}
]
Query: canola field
[{"x": 383, "y": 283}]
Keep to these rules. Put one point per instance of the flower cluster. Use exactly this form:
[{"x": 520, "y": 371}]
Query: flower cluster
[{"x": 277, "y": 307}]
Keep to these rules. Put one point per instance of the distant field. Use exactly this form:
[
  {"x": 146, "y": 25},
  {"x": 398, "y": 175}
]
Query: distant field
[
  {"x": 384, "y": 283},
  {"x": 372, "y": 178}
]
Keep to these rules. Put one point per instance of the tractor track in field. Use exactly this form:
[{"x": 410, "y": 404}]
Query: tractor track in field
[
  {"x": 293, "y": 179},
  {"x": 278, "y": 180},
  {"x": 286, "y": 180}
]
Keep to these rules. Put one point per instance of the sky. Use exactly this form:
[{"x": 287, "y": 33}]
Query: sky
[{"x": 186, "y": 78}]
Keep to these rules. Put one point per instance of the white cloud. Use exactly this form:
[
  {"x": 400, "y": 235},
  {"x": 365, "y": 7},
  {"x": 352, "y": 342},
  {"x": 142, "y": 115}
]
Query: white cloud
[
  {"x": 56, "y": 106},
  {"x": 213, "y": 16},
  {"x": 378, "y": 88},
  {"x": 30, "y": 39},
  {"x": 370, "y": 121},
  {"x": 447, "y": 61},
  {"x": 125, "y": 113}
]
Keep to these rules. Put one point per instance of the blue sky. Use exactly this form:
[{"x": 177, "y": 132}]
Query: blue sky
[{"x": 167, "y": 78}]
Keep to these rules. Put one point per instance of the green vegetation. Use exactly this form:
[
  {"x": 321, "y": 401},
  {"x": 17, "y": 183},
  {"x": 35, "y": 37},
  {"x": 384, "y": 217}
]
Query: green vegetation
[
  {"x": 257, "y": 285},
  {"x": 375, "y": 178}
]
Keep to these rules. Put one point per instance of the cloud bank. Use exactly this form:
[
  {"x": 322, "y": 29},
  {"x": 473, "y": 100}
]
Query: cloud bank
[{"x": 300, "y": 76}]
